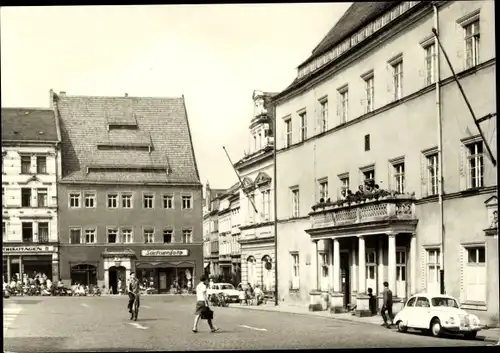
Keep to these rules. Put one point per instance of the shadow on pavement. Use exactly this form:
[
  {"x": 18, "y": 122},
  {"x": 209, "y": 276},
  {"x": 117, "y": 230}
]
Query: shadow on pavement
[{"x": 479, "y": 338}]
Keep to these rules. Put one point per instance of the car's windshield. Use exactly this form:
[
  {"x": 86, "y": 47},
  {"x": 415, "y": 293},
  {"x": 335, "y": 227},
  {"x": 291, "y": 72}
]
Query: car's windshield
[
  {"x": 226, "y": 286},
  {"x": 442, "y": 301}
]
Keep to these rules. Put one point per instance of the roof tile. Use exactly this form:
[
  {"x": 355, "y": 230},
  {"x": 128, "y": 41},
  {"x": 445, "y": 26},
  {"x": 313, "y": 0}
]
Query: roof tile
[{"x": 23, "y": 124}]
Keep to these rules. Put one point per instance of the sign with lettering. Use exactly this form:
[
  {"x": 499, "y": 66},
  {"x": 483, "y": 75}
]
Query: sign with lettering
[
  {"x": 27, "y": 249},
  {"x": 165, "y": 252}
]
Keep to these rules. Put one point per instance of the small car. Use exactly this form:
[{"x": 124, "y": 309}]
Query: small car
[
  {"x": 231, "y": 294},
  {"x": 437, "y": 314}
]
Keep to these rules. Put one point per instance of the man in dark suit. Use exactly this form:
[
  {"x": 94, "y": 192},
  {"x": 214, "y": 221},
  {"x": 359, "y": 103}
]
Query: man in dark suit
[{"x": 387, "y": 306}]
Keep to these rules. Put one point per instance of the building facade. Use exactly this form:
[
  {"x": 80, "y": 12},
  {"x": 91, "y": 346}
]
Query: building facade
[
  {"x": 257, "y": 224},
  {"x": 130, "y": 198},
  {"x": 364, "y": 114},
  {"x": 211, "y": 230},
  {"x": 31, "y": 163}
]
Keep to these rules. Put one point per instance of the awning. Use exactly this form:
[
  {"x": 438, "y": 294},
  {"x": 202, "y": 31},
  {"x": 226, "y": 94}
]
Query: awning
[{"x": 172, "y": 264}]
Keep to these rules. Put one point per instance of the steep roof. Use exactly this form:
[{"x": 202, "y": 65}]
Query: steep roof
[
  {"x": 125, "y": 139},
  {"x": 29, "y": 124},
  {"x": 356, "y": 16}
]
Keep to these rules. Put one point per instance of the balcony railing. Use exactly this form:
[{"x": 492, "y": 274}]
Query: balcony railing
[{"x": 390, "y": 207}]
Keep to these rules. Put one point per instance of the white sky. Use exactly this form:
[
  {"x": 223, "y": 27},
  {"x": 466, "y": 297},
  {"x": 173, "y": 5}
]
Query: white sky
[{"x": 215, "y": 55}]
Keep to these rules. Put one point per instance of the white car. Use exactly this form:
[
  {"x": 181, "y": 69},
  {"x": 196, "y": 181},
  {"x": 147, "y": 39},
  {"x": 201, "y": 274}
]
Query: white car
[
  {"x": 232, "y": 295},
  {"x": 438, "y": 314}
]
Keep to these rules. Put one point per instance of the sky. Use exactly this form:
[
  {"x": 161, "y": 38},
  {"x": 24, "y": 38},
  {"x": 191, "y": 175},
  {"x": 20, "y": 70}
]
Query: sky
[{"x": 214, "y": 55}]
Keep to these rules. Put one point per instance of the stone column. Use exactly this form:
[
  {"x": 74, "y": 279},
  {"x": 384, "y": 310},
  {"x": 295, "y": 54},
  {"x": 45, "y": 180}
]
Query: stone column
[
  {"x": 318, "y": 273},
  {"x": 354, "y": 268},
  {"x": 330, "y": 266},
  {"x": 21, "y": 269},
  {"x": 392, "y": 262},
  {"x": 362, "y": 265},
  {"x": 413, "y": 264},
  {"x": 55, "y": 267},
  {"x": 380, "y": 266},
  {"x": 336, "y": 266},
  {"x": 106, "y": 279}
]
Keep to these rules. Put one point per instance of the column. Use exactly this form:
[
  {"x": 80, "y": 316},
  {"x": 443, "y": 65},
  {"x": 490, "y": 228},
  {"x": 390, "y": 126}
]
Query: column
[
  {"x": 362, "y": 265},
  {"x": 354, "y": 275},
  {"x": 380, "y": 266},
  {"x": 336, "y": 266},
  {"x": 21, "y": 269},
  {"x": 318, "y": 272},
  {"x": 55, "y": 267},
  {"x": 9, "y": 271},
  {"x": 330, "y": 266},
  {"x": 106, "y": 279},
  {"x": 36, "y": 236},
  {"x": 392, "y": 262},
  {"x": 413, "y": 264}
]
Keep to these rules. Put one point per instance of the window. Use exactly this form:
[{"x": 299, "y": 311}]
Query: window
[
  {"x": 168, "y": 202},
  {"x": 411, "y": 302},
  {"x": 344, "y": 184},
  {"x": 370, "y": 93},
  {"x": 369, "y": 177},
  {"x": 401, "y": 273},
  {"x": 288, "y": 129},
  {"x": 43, "y": 232},
  {"x": 367, "y": 142},
  {"x": 475, "y": 165},
  {"x": 149, "y": 235},
  {"x": 126, "y": 200},
  {"x": 422, "y": 302},
  {"x": 74, "y": 200},
  {"x": 90, "y": 236},
  {"x": 295, "y": 203},
  {"x": 471, "y": 44},
  {"x": 324, "y": 115},
  {"x": 112, "y": 235},
  {"x": 432, "y": 174},
  {"x": 430, "y": 64},
  {"x": 187, "y": 236},
  {"x": 127, "y": 235},
  {"x": 323, "y": 189},
  {"x": 251, "y": 209},
  {"x": 167, "y": 236},
  {"x": 324, "y": 264},
  {"x": 186, "y": 202},
  {"x": 398, "y": 80},
  {"x": 41, "y": 196},
  {"x": 112, "y": 200},
  {"x": 295, "y": 272},
  {"x": 433, "y": 268},
  {"x": 303, "y": 126},
  {"x": 89, "y": 198},
  {"x": 25, "y": 164},
  {"x": 25, "y": 197},
  {"x": 27, "y": 229},
  {"x": 344, "y": 105},
  {"x": 148, "y": 200},
  {"x": 41, "y": 165},
  {"x": 399, "y": 177},
  {"x": 371, "y": 269},
  {"x": 266, "y": 204},
  {"x": 475, "y": 274},
  {"x": 75, "y": 235}
]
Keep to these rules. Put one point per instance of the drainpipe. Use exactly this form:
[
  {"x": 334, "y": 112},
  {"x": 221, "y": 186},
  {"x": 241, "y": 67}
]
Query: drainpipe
[{"x": 440, "y": 154}]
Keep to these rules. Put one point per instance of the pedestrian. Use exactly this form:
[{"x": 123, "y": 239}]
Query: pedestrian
[
  {"x": 189, "y": 286},
  {"x": 372, "y": 302},
  {"x": 387, "y": 306},
  {"x": 202, "y": 307},
  {"x": 133, "y": 291}
]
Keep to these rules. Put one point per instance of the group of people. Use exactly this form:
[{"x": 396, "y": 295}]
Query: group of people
[
  {"x": 36, "y": 284},
  {"x": 250, "y": 293}
]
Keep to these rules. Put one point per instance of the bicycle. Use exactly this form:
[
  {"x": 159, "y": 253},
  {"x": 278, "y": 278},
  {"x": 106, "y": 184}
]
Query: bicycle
[{"x": 135, "y": 308}]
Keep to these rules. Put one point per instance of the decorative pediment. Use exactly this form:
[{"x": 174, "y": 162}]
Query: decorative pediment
[
  {"x": 262, "y": 178},
  {"x": 32, "y": 179},
  {"x": 247, "y": 182},
  {"x": 492, "y": 209},
  {"x": 491, "y": 202}
]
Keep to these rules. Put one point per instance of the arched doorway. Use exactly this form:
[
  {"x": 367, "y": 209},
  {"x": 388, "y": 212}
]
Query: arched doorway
[
  {"x": 267, "y": 266},
  {"x": 84, "y": 274},
  {"x": 251, "y": 270},
  {"x": 115, "y": 274}
]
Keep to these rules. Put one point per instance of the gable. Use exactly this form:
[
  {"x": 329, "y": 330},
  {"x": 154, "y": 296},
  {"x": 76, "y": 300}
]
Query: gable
[{"x": 262, "y": 178}]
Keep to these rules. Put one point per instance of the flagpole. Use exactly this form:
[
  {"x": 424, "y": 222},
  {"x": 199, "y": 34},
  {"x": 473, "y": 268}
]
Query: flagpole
[
  {"x": 275, "y": 186},
  {"x": 239, "y": 178}
]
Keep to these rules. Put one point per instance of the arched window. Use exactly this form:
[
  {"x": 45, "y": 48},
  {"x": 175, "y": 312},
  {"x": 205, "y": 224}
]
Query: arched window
[
  {"x": 251, "y": 270},
  {"x": 267, "y": 267}
]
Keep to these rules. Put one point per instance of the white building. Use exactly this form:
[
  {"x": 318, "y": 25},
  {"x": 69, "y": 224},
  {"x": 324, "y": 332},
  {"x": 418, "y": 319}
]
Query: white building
[
  {"x": 256, "y": 171},
  {"x": 31, "y": 165}
]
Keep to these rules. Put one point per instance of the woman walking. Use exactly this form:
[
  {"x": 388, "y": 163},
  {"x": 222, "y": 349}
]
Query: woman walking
[{"x": 202, "y": 308}]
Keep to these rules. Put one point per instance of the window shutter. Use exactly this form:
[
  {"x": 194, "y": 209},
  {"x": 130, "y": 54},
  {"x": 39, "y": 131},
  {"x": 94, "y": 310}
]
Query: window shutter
[
  {"x": 423, "y": 274},
  {"x": 423, "y": 175},
  {"x": 463, "y": 168}
]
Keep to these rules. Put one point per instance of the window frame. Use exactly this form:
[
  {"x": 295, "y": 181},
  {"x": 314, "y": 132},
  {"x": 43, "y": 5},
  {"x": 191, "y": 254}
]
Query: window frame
[
  {"x": 29, "y": 167},
  {"x": 80, "y": 231},
  {"x": 189, "y": 232},
  {"x": 303, "y": 124},
  {"x": 396, "y": 64},
  {"x": 123, "y": 237},
  {"x": 323, "y": 109},
  {"x": 479, "y": 161},
  {"x": 113, "y": 230},
  {"x": 369, "y": 87},
  {"x": 165, "y": 232},
  {"x": 190, "y": 199},
  {"x": 168, "y": 198},
  {"x": 147, "y": 229},
  {"x": 39, "y": 232},
  {"x": 116, "y": 198},
  {"x": 288, "y": 132},
  {"x": 90, "y": 230},
  {"x": 90, "y": 195},
  {"x": 343, "y": 93},
  {"x": 150, "y": 197},
  {"x": 79, "y": 198},
  {"x": 42, "y": 191},
  {"x": 323, "y": 188},
  {"x": 295, "y": 269},
  {"x": 432, "y": 182},
  {"x": 40, "y": 157},
  {"x": 126, "y": 196},
  {"x": 295, "y": 201},
  {"x": 30, "y": 203}
]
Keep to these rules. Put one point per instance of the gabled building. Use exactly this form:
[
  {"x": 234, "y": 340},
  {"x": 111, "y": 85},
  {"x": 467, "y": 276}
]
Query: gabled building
[
  {"x": 130, "y": 197},
  {"x": 211, "y": 229},
  {"x": 256, "y": 171},
  {"x": 31, "y": 165},
  {"x": 359, "y": 165}
]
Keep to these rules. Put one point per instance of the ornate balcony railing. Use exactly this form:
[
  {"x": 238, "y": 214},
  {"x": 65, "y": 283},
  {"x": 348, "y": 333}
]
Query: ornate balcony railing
[{"x": 390, "y": 207}]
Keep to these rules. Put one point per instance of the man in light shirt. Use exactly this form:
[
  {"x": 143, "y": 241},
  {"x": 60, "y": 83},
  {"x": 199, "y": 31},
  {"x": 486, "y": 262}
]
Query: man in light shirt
[{"x": 202, "y": 304}]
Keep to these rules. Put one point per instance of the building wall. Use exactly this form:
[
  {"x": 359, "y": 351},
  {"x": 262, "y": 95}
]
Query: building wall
[{"x": 405, "y": 129}]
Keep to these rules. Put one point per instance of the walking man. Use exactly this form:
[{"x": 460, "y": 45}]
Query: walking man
[
  {"x": 133, "y": 292},
  {"x": 202, "y": 304},
  {"x": 387, "y": 306}
]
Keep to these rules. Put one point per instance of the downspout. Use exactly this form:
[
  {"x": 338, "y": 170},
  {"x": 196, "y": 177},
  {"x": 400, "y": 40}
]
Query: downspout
[{"x": 440, "y": 155}]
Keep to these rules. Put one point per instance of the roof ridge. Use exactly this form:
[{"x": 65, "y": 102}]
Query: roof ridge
[
  {"x": 28, "y": 108},
  {"x": 108, "y": 97}
]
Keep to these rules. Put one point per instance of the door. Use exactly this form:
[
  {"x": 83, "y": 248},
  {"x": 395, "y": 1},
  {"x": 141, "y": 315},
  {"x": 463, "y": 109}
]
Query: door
[
  {"x": 345, "y": 278},
  {"x": 401, "y": 273},
  {"x": 163, "y": 281},
  {"x": 420, "y": 317},
  {"x": 113, "y": 280},
  {"x": 408, "y": 312}
]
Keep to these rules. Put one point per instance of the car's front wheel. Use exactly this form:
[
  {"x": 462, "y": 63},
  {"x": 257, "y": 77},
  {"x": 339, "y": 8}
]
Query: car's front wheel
[
  {"x": 436, "y": 328},
  {"x": 401, "y": 326},
  {"x": 470, "y": 335}
]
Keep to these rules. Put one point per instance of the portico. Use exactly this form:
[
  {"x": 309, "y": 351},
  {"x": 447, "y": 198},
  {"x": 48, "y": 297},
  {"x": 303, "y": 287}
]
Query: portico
[{"x": 359, "y": 246}]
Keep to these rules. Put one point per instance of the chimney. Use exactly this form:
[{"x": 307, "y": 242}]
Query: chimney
[
  {"x": 51, "y": 98},
  {"x": 62, "y": 93},
  {"x": 126, "y": 95}
]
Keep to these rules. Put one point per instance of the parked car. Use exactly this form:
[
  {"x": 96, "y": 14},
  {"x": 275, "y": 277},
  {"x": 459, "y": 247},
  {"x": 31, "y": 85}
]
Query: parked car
[
  {"x": 437, "y": 314},
  {"x": 227, "y": 289}
]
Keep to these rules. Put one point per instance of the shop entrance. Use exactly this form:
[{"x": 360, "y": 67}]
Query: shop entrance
[
  {"x": 345, "y": 278},
  {"x": 84, "y": 274},
  {"x": 40, "y": 264},
  {"x": 116, "y": 274}
]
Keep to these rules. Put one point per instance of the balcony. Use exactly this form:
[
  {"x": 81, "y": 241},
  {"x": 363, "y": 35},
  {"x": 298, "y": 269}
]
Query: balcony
[{"x": 352, "y": 211}]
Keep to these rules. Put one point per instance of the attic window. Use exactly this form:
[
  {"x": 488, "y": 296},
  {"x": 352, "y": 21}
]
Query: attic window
[
  {"x": 124, "y": 125},
  {"x": 129, "y": 169},
  {"x": 131, "y": 146}
]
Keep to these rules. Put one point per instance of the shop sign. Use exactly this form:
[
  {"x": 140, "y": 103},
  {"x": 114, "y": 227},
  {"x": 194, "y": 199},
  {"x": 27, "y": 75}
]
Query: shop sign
[
  {"x": 166, "y": 252},
  {"x": 27, "y": 249}
]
